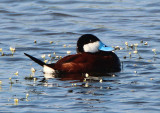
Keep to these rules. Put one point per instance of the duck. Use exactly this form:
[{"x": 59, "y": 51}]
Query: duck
[{"x": 92, "y": 56}]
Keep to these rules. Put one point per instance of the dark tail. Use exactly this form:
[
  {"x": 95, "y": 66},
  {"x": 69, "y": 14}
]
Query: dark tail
[{"x": 35, "y": 59}]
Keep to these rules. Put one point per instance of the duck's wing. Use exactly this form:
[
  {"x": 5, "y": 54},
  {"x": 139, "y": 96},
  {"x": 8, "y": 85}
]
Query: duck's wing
[{"x": 77, "y": 63}]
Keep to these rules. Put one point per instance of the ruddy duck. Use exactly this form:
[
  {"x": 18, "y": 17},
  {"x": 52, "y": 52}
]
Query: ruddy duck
[{"x": 92, "y": 57}]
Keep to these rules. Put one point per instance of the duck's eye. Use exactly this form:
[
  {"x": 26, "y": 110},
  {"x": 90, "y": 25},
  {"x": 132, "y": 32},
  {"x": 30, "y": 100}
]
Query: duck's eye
[{"x": 105, "y": 46}]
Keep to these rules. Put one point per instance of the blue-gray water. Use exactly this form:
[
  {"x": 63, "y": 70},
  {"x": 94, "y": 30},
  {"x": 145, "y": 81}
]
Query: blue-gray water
[{"x": 135, "y": 89}]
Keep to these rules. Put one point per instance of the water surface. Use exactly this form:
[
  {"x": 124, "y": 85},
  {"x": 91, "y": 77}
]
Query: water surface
[{"x": 134, "y": 89}]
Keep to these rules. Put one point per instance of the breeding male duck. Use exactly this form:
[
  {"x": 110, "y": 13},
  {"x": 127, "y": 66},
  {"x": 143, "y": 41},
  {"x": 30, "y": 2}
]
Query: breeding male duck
[{"x": 92, "y": 56}]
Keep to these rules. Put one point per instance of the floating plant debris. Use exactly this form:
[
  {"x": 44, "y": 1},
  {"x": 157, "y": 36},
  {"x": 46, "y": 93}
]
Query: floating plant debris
[
  {"x": 16, "y": 73},
  {"x": 12, "y": 50},
  {"x": 33, "y": 70},
  {"x": 146, "y": 43},
  {"x": 154, "y": 50},
  {"x": 51, "y": 42},
  {"x": 68, "y": 52},
  {"x": 16, "y": 100},
  {"x": 43, "y": 56}
]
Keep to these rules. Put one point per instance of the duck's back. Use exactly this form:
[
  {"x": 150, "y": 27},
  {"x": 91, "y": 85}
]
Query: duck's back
[{"x": 89, "y": 63}]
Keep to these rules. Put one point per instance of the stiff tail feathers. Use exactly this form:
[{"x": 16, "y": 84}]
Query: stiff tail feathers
[{"x": 35, "y": 60}]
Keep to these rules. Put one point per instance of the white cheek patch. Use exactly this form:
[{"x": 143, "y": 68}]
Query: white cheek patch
[
  {"x": 91, "y": 47},
  {"x": 48, "y": 70}
]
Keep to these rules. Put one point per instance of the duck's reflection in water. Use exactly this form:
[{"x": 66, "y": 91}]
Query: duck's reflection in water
[
  {"x": 80, "y": 80},
  {"x": 64, "y": 77},
  {"x": 78, "y": 76}
]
